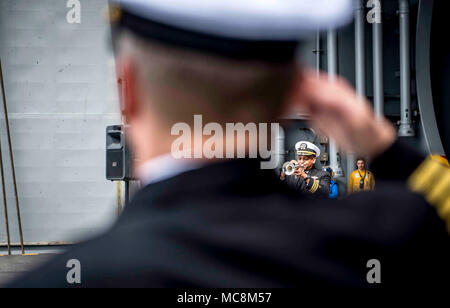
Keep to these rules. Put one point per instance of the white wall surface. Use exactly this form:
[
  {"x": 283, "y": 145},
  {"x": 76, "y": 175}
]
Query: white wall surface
[{"x": 61, "y": 95}]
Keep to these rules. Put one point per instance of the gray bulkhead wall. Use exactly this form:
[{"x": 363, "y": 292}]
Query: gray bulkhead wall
[
  {"x": 61, "y": 94},
  {"x": 346, "y": 68}
]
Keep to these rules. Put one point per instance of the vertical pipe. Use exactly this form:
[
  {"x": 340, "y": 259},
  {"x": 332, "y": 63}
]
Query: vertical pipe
[
  {"x": 405, "y": 129},
  {"x": 332, "y": 54},
  {"x": 318, "y": 53},
  {"x": 332, "y": 72},
  {"x": 360, "y": 66},
  {"x": 2, "y": 174},
  {"x": 360, "y": 58},
  {"x": 11, "y": 159},
  {"x": 378, "y": 89}
]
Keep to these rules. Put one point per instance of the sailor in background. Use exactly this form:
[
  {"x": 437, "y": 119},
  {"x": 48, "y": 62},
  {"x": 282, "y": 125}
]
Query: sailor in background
[
  {"x": 334, "y": 188},
  {"x": 307, "y": 177},
  {"x": 361, "y": 179}
]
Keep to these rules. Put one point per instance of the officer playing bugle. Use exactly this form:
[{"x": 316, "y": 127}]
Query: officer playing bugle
[{"x": 302, "y": 174}]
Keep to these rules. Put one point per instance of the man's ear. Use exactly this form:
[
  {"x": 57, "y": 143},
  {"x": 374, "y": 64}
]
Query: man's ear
[{"x": 127, "y": 89}]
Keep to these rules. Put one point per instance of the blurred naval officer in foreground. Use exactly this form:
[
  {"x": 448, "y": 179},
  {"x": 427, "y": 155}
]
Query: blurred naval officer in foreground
[
  {"x": 229, "y": 223},
  {"x": 306, "y": 177}
]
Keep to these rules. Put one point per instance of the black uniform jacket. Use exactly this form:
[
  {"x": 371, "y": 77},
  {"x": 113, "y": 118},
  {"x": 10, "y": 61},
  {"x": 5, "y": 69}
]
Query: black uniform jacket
[
  {"x": 232, "y": 224},
  {"x": 319, "y": 183}
]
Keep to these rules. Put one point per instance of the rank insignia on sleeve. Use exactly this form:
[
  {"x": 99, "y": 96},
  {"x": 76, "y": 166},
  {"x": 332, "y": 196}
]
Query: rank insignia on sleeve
[{"x": 432, "y": 180}]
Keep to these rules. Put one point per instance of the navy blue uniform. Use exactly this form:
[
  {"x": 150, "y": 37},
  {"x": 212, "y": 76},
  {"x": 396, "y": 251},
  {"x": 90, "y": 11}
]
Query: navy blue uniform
[
  {"x": 232, "y": 224},
  {"x": 319, "y": 183}
]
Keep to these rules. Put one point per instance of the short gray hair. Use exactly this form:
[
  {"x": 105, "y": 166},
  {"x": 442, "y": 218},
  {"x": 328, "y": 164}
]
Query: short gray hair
[{"x": 184, "y": 82}]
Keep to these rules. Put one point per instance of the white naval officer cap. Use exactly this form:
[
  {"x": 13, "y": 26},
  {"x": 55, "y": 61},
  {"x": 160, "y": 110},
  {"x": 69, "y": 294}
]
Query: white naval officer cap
[
  {"x": 236, "y": 28},
  {"x": 307, "y": 148}
]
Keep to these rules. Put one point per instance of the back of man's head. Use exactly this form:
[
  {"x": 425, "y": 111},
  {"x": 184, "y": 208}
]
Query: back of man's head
[{"x": 178, "y": 83}]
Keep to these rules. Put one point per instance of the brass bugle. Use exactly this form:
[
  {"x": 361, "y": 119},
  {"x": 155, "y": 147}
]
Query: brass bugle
[{"x": 289, "y": 167}]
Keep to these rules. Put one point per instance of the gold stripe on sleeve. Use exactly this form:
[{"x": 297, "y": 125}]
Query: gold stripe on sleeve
[
  {"x": 432, "y": 180},
  {"x": 315, "y": 186}
]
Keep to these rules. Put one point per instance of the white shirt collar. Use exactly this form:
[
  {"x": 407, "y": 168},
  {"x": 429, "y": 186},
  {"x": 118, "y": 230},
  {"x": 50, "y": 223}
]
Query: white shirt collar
[{"x": 164, "y": 167}]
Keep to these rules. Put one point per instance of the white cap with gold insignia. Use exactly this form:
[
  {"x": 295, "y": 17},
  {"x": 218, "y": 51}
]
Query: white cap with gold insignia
[{"x": 307, "y": 148}]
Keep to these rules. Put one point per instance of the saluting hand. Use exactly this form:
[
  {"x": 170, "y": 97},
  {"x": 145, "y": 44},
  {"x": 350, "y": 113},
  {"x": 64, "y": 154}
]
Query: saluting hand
[{"x": 336, "y": 110}]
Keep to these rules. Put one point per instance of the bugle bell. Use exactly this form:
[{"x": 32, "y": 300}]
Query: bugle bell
[{"x": 289, "y": 167}]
